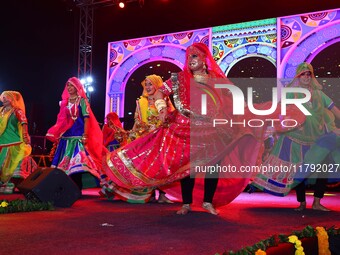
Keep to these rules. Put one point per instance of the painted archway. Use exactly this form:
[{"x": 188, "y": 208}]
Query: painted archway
[
  {"x": 266, "y": 51},
  {"x": 321, "y": 30},
  {"x": 232, "y": 43},
  {"x": 126, "y": 56}
]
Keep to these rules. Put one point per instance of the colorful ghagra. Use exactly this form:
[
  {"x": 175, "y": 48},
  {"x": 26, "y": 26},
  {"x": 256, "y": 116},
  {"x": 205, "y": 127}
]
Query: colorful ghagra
[
  {"x": 13, "y": 150},
  {"x": 170, "y": 152},
  {"x": 289, "y": 150},
  {"x": 71, "y": 155}
]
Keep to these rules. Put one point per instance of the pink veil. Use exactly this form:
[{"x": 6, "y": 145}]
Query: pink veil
[{"x": 64, "y": 122}]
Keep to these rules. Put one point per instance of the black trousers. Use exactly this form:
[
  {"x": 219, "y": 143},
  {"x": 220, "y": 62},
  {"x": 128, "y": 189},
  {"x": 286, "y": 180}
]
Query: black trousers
[
  {"x": 319, "y": 189},
  {"x": 210, "y": 185},
  {"x": 77, "y": 178}
]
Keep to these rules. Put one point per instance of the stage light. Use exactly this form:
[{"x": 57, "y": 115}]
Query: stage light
[
  {"x": 121, "y": 4},
  {"x": 88, "y": 87},
  {"x": 89, "y": 79}
]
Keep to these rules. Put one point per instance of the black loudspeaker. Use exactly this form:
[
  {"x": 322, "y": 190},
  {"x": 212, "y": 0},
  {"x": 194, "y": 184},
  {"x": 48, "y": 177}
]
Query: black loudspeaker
[{"x": 50, "y": 185}]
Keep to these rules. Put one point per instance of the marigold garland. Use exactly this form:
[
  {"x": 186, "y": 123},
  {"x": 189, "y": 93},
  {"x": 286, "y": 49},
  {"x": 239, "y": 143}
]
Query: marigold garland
[
  {"x": 4, "y": 204},
  {"x": 323, "y": 243},
  {"x": 297, "y": 243},
  {"x": 260, "y": 252},
  {"x": 308, "y": 232},
  {"x": 20, "y": 205}
]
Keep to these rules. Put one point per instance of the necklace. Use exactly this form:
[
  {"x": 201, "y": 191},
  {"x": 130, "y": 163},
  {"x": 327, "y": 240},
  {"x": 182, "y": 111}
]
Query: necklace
[
  {"x": 74, "y": 115},
  {"x": 201, "y": 78},
  {"x": 200, "y": 75},
  {"x": 4, "y": 110},
  {"x": 151, "y": 99},
  {"x": 73, "y": 98},
  {"x": 75, "y": 111}
]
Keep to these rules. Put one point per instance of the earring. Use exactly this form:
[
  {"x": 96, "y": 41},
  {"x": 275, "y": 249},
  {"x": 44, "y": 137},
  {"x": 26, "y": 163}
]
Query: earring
[{"x": 204, "y": 66}]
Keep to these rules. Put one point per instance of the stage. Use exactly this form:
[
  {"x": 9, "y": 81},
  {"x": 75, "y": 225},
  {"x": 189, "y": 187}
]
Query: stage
[{"x": 97, "y": 226}]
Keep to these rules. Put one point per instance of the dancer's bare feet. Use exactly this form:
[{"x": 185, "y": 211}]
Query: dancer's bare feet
[
  {"x": 210, "y": 208},
  {"x": 317, "y": 206},
  {"x": 320, "y": 208},
  {"x": 301, "y": 207},
  {"x": 184, "y": 209},
  {"x": 163, "y": 199}
]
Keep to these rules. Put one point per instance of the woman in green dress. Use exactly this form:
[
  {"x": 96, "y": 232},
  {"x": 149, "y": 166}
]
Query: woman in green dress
[
  {"x": 290, "y": 148},
  {"x": 14, "y": 141}
]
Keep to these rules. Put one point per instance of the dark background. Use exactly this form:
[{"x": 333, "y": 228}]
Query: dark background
[{"x": 39, "y": 40}]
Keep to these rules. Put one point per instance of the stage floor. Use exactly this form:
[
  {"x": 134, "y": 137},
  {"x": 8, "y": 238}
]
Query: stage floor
[{"x": 97, "y": 226}]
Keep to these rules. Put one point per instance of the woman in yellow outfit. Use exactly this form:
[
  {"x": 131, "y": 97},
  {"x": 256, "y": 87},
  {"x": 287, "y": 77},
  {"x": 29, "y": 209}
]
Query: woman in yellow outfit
[
  {"x": 146, "y": 115},
  {"x": 14, "y": 141},
  {"x": 146, "y": 120}
]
